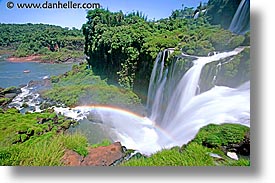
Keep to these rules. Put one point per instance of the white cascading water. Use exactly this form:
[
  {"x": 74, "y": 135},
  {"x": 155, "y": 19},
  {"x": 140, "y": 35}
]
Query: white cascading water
[
  {"x": 185, "y": 112},
  {"x": 176, "y": 110},
  {"x": 240, "y": 23},
  {"x": 197, "y": 15}
]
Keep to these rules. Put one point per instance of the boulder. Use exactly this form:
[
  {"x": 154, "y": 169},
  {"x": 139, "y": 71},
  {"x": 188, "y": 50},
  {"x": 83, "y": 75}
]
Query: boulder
[
  {"x": 99, "y": 156},
  {"x": 241, "y": 148},
  {"x": 10, "y": 95},
  {"x": 40, "y": 83},
  {"x": 72, "y": 158},
  {"x": 11, "y": 90},
  {"x": 103, "y": 156}
]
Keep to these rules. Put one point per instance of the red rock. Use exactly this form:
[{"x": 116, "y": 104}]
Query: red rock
[
  {"x": 72, "y": 158},
  {"x": 103, "y": 156}
]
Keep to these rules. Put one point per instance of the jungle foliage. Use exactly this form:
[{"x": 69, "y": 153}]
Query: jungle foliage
[
  {"x": 50, "y": 41},
  {"x": 123, "y": 47}
]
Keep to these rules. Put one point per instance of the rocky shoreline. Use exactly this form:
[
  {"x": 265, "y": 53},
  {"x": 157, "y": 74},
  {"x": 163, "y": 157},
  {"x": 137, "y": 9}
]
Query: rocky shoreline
[{"x": 7, "y": 95}]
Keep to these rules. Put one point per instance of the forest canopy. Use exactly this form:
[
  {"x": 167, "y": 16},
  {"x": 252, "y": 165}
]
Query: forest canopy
[
  {"x": 123, "y": 47},
  {"x": 41, "y": 39}
]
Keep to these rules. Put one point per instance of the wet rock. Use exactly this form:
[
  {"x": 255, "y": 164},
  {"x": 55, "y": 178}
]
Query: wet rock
[
  {"x": 10, "y": 95},
  {"x": 11, "y": 90},
  {"x": 6, "y": 95},
  {"x": 34, "y": 83},
  {"x": 94, "y": 117},
  {"x": 244, "y": 146},
  {"x": 40, "y": 83},
  {"x": 71, "y": 158},
  {"x": 25, "y": 105},
  {"x": 45, "y": 105},
  {"x": 22, "y": 85},
  {"x": 241, "y": 148}
]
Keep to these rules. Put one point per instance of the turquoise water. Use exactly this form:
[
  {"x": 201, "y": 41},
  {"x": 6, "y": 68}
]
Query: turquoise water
[{"x": 12, "y": 73}]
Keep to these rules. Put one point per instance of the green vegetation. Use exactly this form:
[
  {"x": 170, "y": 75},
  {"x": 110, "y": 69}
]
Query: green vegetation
[
  {"x": 36, "y": 138},
  {"x": 123, "y": 47},
  {"x": 105, "y": 142},
  {"x": 52, "y": 43},
  {"x": 221, "y": 135},
  {"x": 81, "y": 87},
  {"x": 4, "y": 101},
  {"x": 18, "y": 128},
  {"x": 193, "y": 155},
  {"x": 210, "y": 139}
]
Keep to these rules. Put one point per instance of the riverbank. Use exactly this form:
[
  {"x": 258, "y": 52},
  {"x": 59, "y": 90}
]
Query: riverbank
[
  {"x": 31, "y": 58},
  {"x": 62, "y": 56},
  {"x": 45, "y": 59}
]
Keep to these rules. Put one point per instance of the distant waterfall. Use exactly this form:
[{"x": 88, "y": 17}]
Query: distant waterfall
[{"x": 240, "y": 23}]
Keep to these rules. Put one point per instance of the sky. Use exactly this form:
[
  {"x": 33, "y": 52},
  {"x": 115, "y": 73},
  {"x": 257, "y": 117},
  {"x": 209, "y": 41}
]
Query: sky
[{"x": 154, "y": 9}]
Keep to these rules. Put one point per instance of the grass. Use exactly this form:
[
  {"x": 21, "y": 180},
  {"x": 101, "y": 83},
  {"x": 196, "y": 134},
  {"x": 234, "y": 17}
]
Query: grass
[
  {"x": 193, "y": 155},
  {"x": 25, "y": 141},
  {"x": 17, "y": 128},
  {"x": 105, "y": 142},
  {"x": 42, "y": 152},
  {"x": 76, "y": 142},
  {"x": 4, "y": 100}
]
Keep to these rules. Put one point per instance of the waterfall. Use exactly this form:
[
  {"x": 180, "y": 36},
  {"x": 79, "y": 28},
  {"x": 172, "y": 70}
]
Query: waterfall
[
  {"x": 187, "y": 110},
  {"x": 197, "y": 15},
  {"x": 157, "y": 78},
  {"x": 176, "y": 107},
  {"x": 240, "y": 23}
]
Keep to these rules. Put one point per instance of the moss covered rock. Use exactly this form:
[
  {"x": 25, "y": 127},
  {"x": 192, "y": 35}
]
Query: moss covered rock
[{"x": 226, "y": 137}]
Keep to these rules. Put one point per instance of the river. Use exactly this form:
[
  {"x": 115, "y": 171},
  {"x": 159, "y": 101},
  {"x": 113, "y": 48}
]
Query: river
[{"x": 12, "y": 73}]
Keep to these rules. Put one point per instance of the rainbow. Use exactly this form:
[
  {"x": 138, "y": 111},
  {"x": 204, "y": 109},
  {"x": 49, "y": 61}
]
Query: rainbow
[
  {"x": 142, "y": 119},
  {"x": 110, "y": 108}
]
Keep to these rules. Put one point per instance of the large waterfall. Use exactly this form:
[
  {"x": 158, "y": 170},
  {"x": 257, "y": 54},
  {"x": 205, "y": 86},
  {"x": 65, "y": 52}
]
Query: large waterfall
[
  {"x": 176, "y": 107},
  {"x": 181, "y": 110},
  {"x": 240, "y": 23}
]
